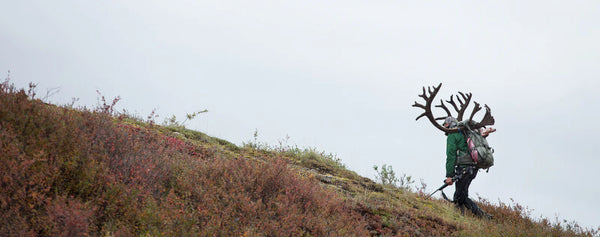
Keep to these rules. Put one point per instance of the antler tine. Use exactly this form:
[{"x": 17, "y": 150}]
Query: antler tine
[
  {"x": 451, "y": 101},
  {"x": 431, "y": 92},
  {"x": 427, "y": 107},
  {"x": 465, "y": 97},
  {"x": 464, "y": 102},
  {"x": 443, "y": 106},
  {"x": 463, "y": 105},
  {"x": 475, "y": 110},
  {"x": 459, "y": 100},
  {"x": 423, "y": 114},
  {"x": 424, "y": 95}
]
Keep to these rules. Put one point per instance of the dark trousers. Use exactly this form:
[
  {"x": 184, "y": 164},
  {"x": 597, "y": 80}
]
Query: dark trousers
[{"x": 461, "y": 195}]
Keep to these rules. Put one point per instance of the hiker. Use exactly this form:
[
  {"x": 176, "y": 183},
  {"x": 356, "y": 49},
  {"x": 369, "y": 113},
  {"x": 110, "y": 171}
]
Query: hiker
[
  {"x": 467, "y": 149},
  {"x": 456, "y": 148}
]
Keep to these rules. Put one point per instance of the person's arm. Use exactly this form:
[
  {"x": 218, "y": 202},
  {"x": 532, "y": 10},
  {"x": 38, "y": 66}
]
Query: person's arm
[{"x": 450, "y": 155}]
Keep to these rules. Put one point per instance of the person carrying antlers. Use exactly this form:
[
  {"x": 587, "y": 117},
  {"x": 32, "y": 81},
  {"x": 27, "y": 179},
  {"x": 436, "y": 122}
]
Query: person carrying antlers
[
  {"x": 461, "y": 159},
  {"x": 457, "y": 149}
]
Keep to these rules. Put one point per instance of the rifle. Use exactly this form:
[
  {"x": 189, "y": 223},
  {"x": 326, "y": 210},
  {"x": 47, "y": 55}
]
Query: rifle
[{"x": 454, "y": 179}]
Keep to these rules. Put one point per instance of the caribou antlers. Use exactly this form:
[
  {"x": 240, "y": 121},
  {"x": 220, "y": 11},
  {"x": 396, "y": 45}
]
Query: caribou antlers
[{"x": 488, "y": 119}]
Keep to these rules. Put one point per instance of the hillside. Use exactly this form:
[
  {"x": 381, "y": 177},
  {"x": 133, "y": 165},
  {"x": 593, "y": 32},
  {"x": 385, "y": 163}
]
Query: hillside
[{"x": 68, "y": 171}]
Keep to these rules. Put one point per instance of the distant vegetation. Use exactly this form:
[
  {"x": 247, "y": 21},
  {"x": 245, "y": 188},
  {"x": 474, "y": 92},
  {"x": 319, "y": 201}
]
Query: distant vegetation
[{"x": 68, "y": 171}]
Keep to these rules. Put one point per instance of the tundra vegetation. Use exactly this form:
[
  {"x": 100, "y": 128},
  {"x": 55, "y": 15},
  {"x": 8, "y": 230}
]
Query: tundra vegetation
[{"x": 77, "y": 171}]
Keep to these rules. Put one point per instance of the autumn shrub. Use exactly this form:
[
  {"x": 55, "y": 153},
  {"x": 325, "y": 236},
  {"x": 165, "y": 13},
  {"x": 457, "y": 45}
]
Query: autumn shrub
[
  {"x": 49, "y": 152},
  {"x": 513, "y": 219},
  {"x": 80, "y": 171},
  {"x": 68, "y": 171},
  {"x": 237, "y": 196},
  {"x": 69, "y": 217}
]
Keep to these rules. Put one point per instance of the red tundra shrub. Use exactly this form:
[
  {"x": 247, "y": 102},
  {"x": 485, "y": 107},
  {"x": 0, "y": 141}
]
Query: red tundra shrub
[
  {"x": 82, "y": 172},
  {"x": 69, "y": 217},
  {"x": 235, "y": 196}
]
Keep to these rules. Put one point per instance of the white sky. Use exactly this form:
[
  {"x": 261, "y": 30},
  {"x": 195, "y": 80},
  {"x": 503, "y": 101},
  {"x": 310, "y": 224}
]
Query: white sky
[{"x": 341, "y": 76}]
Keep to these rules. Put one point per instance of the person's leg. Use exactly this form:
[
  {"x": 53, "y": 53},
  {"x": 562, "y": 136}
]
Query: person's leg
[
  {"x": 461, "y": 196},
  {"x": 469, "y": 174},
  {"x": 461, "y": 193},
  {"x": 462, "y": 186}
]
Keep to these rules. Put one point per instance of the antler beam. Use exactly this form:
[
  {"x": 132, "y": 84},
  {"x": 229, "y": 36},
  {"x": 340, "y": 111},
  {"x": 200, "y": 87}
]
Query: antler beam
[{"x": 427, "y": 108}]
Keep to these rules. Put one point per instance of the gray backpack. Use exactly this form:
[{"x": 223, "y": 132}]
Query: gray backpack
[{"x": 480, "y": 153}]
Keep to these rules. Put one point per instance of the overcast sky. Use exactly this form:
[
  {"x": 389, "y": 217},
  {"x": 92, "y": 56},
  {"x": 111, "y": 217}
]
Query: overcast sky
[{"x": 341, "y": 76}]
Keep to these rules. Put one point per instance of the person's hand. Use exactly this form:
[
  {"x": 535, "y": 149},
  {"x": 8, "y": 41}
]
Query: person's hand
[{"x": 448, "y": 181}]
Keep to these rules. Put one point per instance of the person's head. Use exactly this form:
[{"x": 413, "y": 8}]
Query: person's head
[{"x": 450, "y": 122}]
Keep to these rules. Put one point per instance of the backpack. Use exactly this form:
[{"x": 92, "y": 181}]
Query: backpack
[{"x": 480, "y": 152}]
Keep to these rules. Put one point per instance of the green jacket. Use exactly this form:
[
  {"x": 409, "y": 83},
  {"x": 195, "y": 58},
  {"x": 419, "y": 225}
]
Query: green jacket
[{"x": 455, "y": 143}]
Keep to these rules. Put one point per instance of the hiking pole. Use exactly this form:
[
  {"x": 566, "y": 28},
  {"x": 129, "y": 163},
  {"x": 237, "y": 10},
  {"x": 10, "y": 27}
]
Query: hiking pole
[
  {"x": 439, "y": 189},
  {"x": 456, "y": 177}
]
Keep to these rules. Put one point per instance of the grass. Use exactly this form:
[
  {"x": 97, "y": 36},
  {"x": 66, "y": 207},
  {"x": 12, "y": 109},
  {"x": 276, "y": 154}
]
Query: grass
[{"x": 68, "y": 171}]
